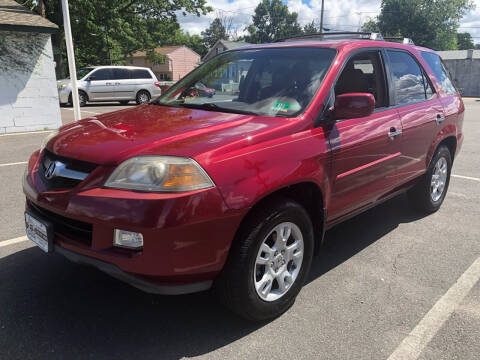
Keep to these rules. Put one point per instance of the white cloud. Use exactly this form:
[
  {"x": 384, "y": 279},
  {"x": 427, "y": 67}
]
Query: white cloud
[{"x": 339, "y": 15}]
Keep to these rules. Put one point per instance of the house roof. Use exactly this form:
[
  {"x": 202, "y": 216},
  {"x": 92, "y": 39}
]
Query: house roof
[
  {"x": 16, "y": 17},
  {"x": 227, "y": 44},
  {"x": 459, "y": 54},
  {"x": 164, "y": 50}
]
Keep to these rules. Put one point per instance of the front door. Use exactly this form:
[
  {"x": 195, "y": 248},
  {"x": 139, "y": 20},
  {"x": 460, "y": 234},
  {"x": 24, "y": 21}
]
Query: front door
[
  {"x": 101, "y": 86},
  {"x": 366, "y": 151}
]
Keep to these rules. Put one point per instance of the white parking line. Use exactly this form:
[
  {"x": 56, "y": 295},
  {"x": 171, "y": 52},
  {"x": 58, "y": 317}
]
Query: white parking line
[
  {"x": 27, "y": 133},
  {"x": 85, "y": 111},
  {"x": 466, "y": 177},
  {"x": 14, "y": 163},
  {"x": 412, "y": 346},
  {"x": 13, "y": 241}
]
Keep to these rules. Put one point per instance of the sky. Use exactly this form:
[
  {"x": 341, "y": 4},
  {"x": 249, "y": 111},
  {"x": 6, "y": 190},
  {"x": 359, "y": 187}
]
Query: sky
[{"x": 339, "y": 15}]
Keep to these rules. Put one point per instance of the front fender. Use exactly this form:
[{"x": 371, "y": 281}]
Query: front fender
[{"x": 247, "y": 175}]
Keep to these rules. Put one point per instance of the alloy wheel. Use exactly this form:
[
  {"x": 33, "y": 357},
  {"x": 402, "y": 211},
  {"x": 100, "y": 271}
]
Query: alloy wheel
[
  {"x": 439, "y": 179},
  {"x": 278, "y": 261}
]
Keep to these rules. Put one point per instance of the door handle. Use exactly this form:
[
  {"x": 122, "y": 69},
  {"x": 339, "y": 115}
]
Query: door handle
[
  {"x": 393, "y": 133},
  {"x": 108, "y": 83},
  {"x": 440, "y": 118},
  {"x": 117, "y": 83}
]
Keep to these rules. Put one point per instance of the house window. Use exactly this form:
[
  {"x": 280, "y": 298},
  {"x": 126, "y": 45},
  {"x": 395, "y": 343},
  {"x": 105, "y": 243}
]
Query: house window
[
  {"x": 219, "y": 50},
  {"x": 163, "y": 76}
]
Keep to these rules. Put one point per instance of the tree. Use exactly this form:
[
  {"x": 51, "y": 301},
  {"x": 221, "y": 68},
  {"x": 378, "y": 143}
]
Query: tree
[
  {"x": 430, "y": 23},
  {"x": 464, "y": 41},
  {"x": 371, "y": 25},
  {"x": 106, "y": 31},
  {"x": 221, "y": 28},
  {"x": 272, "y": 21},
  {"x": 311, "y": 28}
]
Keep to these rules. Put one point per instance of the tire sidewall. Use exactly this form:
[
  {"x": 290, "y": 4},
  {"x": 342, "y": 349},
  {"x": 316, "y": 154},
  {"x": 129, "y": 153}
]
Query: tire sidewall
[
  {"x": 139, "y": 94},
  {"x": 445, "y": 153},
  {"x": 254, "y": 304}
]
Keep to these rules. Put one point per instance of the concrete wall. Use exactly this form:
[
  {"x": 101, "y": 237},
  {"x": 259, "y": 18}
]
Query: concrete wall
[
  {"x": 466, "y": 75},
  {"x": 28, "y": 89}
]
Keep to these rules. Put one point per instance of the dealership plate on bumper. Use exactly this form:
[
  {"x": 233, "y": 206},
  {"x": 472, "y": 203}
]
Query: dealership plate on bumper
[{"x": 39, "y": 231}]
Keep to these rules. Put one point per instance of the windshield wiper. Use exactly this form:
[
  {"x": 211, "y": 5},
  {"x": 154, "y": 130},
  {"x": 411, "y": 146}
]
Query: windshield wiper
[{"x": 215, "y": 107}]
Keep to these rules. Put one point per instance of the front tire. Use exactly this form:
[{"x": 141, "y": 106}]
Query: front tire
[
  {"x": 269, "y": 261},
  {"x": 428, "y": 194},
  {"x": 82, "y": 98}
]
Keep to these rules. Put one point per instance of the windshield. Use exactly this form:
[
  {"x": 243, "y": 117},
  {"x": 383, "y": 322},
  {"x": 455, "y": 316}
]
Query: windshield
[
  {"x": 269, "y": 82},
  {"x": 83, "y": 71}
]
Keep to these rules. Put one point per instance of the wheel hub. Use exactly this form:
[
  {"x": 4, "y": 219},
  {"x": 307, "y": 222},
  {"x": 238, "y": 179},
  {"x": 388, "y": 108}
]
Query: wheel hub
[
  {"x": 278, "y": 261},
  {"x": 439, "y": 179}
]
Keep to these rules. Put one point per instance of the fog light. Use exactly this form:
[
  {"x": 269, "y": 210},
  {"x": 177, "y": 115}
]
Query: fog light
[{"x": 127, "y": 239}]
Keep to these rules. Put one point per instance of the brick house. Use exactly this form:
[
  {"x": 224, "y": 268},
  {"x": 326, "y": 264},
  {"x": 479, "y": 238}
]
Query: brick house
[
  {"x": 28, "y": 88},
  {"x": 178, "y": 61}
]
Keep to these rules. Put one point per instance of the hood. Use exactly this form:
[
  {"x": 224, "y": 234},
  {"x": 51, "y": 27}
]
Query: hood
[{"x": 154, "y": 129}]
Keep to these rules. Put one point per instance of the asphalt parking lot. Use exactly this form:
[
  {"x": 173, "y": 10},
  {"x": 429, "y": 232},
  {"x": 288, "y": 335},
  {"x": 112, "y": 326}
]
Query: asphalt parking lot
[{"x": 389, "y": 284}]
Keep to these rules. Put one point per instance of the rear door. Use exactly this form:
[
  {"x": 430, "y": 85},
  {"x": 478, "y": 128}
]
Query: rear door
[
  {"x": 124, "y": 84},
  {"x": 366, "y": 151},
  {"x": 450, "y": 98},
  {"x": 101, "y": 86},
  {"x": 419, "y": 110}
]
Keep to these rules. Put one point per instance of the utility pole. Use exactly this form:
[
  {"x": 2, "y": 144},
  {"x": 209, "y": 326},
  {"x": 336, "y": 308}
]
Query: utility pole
[
  {"x": 71, "y": 59},
  {"x": 321, "y": 18}
]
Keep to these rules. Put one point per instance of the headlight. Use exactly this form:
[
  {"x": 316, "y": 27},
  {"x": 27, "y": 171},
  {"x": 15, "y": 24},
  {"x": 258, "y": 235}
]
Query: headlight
[
  {"x": 48, "y": 138},
  {"x": 61, "y": 86},
  {"x": 159, "y": 173}
]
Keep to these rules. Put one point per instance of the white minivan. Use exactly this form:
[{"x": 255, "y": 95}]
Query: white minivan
[{"x": 111, "y": 83}]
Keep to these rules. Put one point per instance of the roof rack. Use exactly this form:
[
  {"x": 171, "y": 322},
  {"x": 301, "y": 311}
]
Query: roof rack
[
  {"x": 336, "y": 35},
  {"x": 400, "y": 39}
]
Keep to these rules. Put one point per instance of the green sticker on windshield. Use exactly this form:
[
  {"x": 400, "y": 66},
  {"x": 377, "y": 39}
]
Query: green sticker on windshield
[{"x": 281, "y": 106}]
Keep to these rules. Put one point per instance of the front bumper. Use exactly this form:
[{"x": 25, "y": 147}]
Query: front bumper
[
  {"x": 186, "y": 236},
  {"x": 117, "y": 273},
  {"x": 63, "y": 95}
]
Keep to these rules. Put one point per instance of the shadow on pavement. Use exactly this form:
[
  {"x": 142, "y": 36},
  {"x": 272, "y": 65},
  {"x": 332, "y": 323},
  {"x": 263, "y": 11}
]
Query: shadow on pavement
[{"x": 51, "y": 308}]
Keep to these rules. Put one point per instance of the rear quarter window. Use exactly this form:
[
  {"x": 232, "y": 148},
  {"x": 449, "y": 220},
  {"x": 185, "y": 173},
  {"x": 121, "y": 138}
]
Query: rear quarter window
[{"x": 440, "y": 71}]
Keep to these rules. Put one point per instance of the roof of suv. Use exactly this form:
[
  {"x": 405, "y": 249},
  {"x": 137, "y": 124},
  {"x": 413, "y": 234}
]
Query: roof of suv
[{"x": 334, "y": 43}]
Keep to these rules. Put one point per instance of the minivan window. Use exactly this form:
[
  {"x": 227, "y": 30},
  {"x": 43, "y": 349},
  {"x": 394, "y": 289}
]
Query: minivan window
[
  {"x": 121, "y": 74},
  {"x": 103, "y": 74},
  {"x": 440, "y": 71},
  {"x": 408, "y": 79},
  {"x": 141, "y": 74},
  {"x": 271, "y": 82}
]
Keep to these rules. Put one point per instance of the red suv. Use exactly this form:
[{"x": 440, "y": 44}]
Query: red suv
[{"x": 234, "y": 191}]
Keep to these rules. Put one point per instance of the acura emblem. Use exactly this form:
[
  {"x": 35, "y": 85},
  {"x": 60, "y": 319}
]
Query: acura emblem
[{"x": 50, "y": 172}]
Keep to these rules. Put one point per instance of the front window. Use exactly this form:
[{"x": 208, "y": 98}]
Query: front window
[
  {"x": 82, "y": 72},
  {"x": 269, "y": 82}
]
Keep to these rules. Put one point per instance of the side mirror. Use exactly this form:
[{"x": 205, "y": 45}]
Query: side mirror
[
  {"x": 353, "y": 105},
  {"x": 90, "y": 78}
]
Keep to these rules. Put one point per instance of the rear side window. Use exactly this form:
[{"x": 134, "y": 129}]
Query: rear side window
[
  {"x": 121, "y": 74},
  {"x": 141, "y": 74},
  {"x": 103, "y": 74},
  {"x": 409, "y": 81},
  {"x": 440, "y": 71}
]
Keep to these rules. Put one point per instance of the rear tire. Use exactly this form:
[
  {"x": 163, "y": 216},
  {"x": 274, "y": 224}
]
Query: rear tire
[
  {"x": 428, "y": 194},
  {"x": 143, "y": 96},
  {"x": 260, "y": 284}
]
